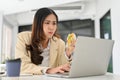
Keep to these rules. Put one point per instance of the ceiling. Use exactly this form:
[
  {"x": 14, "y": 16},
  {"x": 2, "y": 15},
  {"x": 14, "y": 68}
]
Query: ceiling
[
  {"x": 21, "y": 12},
  {"x": 16, "y": 6}
]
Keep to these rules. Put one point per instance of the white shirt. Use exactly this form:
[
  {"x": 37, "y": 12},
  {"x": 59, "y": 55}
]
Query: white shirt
[{"x": 46, "y": 56}]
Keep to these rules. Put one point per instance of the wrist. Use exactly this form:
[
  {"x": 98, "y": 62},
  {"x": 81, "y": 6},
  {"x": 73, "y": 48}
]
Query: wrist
[
  {"x": 68, "y": 53},
  {"x": 48, "y": 71},
  {"x": 44, "y": 70}
]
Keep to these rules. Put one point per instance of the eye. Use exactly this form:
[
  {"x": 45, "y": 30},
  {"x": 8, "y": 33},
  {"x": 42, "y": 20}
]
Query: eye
[
  {"x": 54, "y": 23},
  {"x": 47, "y": 22}
]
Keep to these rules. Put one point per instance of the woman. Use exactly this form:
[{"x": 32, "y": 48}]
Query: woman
[{"x": 42, "y": 50}]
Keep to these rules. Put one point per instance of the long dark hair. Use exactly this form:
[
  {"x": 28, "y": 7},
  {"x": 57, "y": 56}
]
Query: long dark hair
[{"x": 38, "y": 36}]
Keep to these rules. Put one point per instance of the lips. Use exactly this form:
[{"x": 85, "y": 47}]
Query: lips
[{"x": 50, "y": 32}]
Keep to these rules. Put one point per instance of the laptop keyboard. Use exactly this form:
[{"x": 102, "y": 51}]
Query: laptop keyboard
[{"x": 66, "y": 73}]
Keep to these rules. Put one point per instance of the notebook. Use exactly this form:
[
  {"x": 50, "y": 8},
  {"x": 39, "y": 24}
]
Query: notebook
[{"x": 91, "y": 57}]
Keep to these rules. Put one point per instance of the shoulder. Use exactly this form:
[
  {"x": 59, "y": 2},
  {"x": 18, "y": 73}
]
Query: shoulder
[
  {"x": 59, "y": 41},
  {"x": 24, "y": 33},
  {"x": 24, "y": 36}
]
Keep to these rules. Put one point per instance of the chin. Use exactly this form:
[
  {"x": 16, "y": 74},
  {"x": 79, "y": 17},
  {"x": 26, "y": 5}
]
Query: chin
[{"x": 49, "y": 37}]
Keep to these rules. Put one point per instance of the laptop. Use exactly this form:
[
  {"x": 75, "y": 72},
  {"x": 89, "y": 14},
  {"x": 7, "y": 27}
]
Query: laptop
[{"x": 91, "y": 57}]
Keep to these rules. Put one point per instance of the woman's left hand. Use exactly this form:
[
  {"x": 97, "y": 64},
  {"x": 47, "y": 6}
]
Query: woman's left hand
[
  {"x": 70, "y": 44},
  {"x": 70, "y": 48}
]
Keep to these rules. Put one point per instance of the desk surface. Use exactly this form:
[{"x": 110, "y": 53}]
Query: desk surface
[{"x": 44, "y": 77}]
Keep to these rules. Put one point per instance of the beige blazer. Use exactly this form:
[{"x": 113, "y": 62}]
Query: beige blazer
[{"x": 57, "y": 57}]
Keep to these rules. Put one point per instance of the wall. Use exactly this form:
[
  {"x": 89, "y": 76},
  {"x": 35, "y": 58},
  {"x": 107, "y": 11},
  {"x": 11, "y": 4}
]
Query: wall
[
  {"x": 89, "y": 9},
  {"x": 102, "y": 7},
  {"x": 15, "y": 32},
  {"x": 7, "y": 41},
  {"x": 10, "y": 41},
  {"x": 8, "y": 34},
  {"x": 1, "y": 22},
  {"x": 115, "y": 17}
]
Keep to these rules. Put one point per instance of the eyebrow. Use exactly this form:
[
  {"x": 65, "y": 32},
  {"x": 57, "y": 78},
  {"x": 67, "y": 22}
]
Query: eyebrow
[{"x": 51, "y": 21}]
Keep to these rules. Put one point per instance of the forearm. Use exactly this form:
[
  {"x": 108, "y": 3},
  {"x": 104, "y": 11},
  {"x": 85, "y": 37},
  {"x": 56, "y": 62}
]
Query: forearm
[
  {"x": 69, "y": 57},
  {"x": 30, "y": 68}
]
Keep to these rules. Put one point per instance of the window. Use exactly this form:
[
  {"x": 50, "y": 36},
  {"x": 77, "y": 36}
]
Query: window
[
  {"x": 79, "y": 27},
  {"x": 105, "y": 32}
]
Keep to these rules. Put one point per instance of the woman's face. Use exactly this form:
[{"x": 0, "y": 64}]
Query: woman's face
[{"x": 49, "y": 26}]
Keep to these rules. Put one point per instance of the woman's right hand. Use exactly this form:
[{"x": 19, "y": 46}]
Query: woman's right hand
[{"x": 59, "y": 69}]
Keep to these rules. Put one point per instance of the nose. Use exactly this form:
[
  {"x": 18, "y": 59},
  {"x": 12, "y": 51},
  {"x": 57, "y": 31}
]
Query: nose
[{"x": 51, "y": 26}]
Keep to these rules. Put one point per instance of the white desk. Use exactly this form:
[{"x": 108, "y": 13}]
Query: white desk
[{"x": 43, "y": 77}]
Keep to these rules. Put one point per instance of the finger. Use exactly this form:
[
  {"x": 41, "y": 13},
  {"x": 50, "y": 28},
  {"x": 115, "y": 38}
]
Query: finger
[
  {"x": 66, "y": 67},
  {"x": 61, "y": 71},
  {"x": 73, "y": 41}
]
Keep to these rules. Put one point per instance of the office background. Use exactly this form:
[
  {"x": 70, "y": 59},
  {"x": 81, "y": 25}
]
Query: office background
[{"x": 92, "y": 9}]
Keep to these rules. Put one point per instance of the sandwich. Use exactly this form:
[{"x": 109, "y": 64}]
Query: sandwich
[{"x": 71, "y": 39}]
